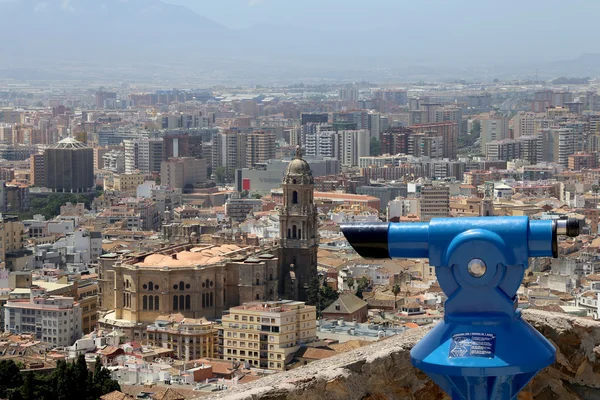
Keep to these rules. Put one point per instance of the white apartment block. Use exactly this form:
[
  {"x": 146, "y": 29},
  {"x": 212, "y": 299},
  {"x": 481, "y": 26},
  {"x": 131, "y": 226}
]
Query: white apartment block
[{"x": 52, "y": 319}]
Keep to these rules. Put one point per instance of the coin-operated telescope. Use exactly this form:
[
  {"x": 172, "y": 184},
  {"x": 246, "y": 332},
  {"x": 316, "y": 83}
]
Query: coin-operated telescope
[{"x": 482, "y": 349}]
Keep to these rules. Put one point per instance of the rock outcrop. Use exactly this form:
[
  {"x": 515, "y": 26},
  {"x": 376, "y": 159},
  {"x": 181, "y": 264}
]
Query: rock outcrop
[{"x": 383, "y": 370}]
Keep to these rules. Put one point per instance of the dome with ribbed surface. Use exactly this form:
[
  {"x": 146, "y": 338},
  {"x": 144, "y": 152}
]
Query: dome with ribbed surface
[
  {"x": 69, "y": 143},
  {"x": 298, "y": 166}
]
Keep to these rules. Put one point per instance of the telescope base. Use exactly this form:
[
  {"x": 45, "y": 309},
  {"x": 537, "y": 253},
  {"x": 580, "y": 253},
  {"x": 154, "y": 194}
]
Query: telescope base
[{"x": 472, "y": 361}]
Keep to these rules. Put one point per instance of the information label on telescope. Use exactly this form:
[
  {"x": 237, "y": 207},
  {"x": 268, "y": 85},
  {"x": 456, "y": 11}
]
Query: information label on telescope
[{"x": 473, "y": 344}]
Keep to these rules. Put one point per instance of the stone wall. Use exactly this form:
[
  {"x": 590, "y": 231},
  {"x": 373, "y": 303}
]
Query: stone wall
[{"x": 383, "y": 370}]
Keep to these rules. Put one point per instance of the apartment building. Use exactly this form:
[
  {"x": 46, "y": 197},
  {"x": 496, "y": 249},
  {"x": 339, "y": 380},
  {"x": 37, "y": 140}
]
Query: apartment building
[
  {"x": 12, "y": 233},
  {"x": 435, "y": 202},
  {"x": 52, "y": 319},
  {"x": 260, "y": 147},
  {"x": 189, "y": 338},
  {"x": 126, "y": 182},
  {"x": 267, "y": 334}
]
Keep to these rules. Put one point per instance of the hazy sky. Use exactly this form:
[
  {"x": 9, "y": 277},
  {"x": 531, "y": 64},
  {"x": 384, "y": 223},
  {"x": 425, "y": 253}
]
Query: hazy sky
[{"x": 477, "y": 17}]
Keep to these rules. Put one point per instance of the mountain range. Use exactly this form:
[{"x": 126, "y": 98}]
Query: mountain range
[{"x": 108, "y": 39}]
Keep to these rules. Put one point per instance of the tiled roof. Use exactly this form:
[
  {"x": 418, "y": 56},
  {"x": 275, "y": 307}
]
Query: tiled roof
[
  {"x": 169, "y": 394},
  {"x": 315, "y": 353},
  {"x": 116, "y": 395},
  {"x": 348, "y": 304}
]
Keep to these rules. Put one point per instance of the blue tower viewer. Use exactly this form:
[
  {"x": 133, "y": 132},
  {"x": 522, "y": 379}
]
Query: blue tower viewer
[{"x": 482, "y": 349}]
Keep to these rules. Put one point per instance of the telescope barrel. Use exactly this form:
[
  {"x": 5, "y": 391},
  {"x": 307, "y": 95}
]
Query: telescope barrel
[{"x": 388, "y": 240}]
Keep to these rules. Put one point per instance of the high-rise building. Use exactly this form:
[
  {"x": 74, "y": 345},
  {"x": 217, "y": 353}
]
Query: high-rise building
[
  {"x": 267, "y": 335},
  {"x": 260, "y": 147},
  {"x": 314, "y": 118},
  {"x": 353, "y": 145},
  {"x": 183, "y": 145},
  {"x": 532, "y": 149},
  {"x": 144, "y": 155},
  {"x": 298, "y": 230},
  {"x": 580, "y": 161},
  {"x": 349, "y": 94},
  {"x": 421, "y": 145},
  {"x": 36, "y": 168},
  {"x": 184, "y": 172},
  {"x": 12, "y": 235},
  {"x": 494, "y": 127},
  {"x": 229, "y": 150},
  {"x": 448, "y": 131},
  {"x": 69, "y": 167},
  {"x": 106, "y": 99},
  {"x": 506, "y": 150},
  {"x": 451, "y": 113},
  {"x": 435, "y": 202},
  {"x": 523, "y": 124},
  {"x": 566, "y": 145},
  {"x": 395, "y": 140}
]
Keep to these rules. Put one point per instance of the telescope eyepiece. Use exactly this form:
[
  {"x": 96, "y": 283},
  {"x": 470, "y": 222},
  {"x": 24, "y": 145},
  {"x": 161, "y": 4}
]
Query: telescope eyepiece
[{"x": 568, "y": 227}]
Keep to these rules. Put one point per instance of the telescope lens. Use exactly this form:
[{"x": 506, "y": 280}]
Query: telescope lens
[{"x": 476, "y": 268}]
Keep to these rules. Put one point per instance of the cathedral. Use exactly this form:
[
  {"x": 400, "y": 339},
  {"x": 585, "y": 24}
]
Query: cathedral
[{"x": 298, "y": 231}]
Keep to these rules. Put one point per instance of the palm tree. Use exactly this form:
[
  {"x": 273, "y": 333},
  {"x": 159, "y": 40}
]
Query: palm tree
[{"x": 396, "y": 290}]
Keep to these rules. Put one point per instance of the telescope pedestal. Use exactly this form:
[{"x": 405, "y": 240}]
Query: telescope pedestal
[{"x": 485, "y": 359}]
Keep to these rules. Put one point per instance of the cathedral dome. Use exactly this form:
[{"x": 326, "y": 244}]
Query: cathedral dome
[{"x": 298, "y": 166}]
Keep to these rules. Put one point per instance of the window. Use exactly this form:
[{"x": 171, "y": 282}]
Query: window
[
  {"x": 257, "y": 296},
  {"x": 150, "y": 286},
  {"x": 295, "y": 197},
  {"x": 188, "y": 302},
  {"x": 289, "y": 235},
  {"x": 151, "y": 302},
  {"x": 181, "y": 302},
  {"x": 294, "y": 231},
  {"x": 181, "y": 285},
  {"x": 144, "y": 303},
  {"x": 156, "y": 303},
  {"x": 175, "y": 303}
]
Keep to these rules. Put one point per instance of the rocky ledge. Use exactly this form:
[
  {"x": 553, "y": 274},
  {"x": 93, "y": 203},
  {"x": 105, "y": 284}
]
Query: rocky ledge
[{"x": 383, "y": 370}]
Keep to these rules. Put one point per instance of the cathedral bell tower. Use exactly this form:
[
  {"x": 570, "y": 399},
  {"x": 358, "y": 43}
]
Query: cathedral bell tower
[{"x": 297, "y": 230}]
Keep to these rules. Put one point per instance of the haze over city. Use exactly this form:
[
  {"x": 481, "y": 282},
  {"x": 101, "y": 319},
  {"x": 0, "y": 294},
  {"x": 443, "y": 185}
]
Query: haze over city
[
  {"x": 299, "y": 199},
  {"x": 267, "y": 41}
]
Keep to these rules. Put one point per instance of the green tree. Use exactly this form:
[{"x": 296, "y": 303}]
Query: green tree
[
  {"x": 375, "y": 146},
  {"x": 65, "y": 381},
  {"x": 220, "y": 174},
  {"x": 476, "y": 128},
  {"x": 396, "y": 291},
  {"x": 363, "y": 283},
  {"x": 350, "y": 282},
  {"x": 244, "y": 194},
  {"x": 314, "y": 286},
  {"x": 10, "y": 377},
  {"x": 28, "y": 388},
  {"x": 81, "y": 377},
  {"x": 328, "y": 296},
  {"x": 102, "y": 382}
]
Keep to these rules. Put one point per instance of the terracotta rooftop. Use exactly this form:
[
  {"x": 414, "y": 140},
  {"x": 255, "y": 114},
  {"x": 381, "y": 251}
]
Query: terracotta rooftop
[
  {"x": 169, "y": 394},
  {"x": 116, "y": 395}
]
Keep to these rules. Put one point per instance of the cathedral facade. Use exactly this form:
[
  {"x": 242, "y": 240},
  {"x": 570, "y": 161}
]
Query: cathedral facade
[{"x": 298, "y": 225}]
